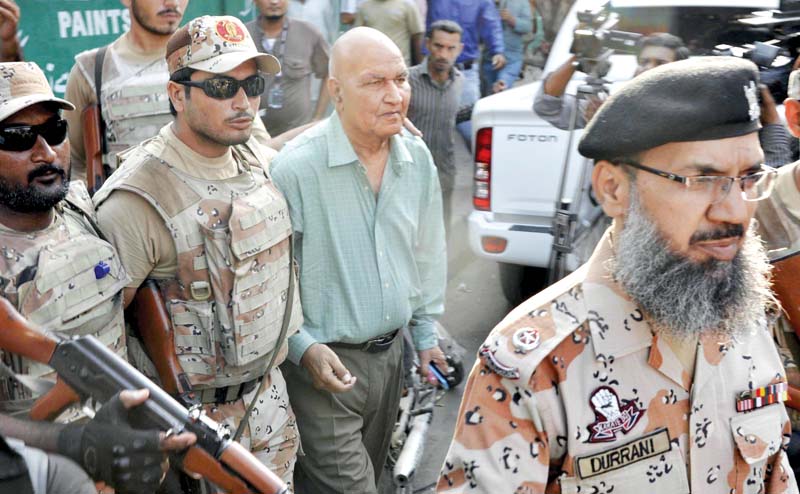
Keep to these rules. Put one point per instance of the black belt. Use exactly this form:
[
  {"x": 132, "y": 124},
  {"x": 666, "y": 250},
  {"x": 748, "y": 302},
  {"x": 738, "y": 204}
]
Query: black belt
[
  {"x": 465, "y": 65},
  {"x": 226, "y": 394},
  {"x": 375, "y": 345}
]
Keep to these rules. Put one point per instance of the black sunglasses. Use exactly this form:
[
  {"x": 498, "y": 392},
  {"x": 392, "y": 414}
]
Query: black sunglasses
[
  {"x": 227, "y": 87},
  {"x": 15, "y": 137}
]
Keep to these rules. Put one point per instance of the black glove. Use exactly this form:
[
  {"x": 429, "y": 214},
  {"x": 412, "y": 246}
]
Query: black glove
[{"x": 127, "y": 459}]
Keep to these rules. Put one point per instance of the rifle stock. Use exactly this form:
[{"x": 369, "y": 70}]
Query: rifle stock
[
  {"x": 91, "y": 369},
  {"x": 19, "y": 337},
  {"x": 93, "y": 145},
  {"x": 152, "y": 322},
  {"x": 50, "y": 405}
]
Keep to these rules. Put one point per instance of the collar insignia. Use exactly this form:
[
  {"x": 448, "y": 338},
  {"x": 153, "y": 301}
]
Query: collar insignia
[{"x": 526, "y": 339}]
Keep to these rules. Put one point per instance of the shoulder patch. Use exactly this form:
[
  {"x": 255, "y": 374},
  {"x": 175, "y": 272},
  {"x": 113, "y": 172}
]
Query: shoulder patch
[{"x": 524, "y": 339}]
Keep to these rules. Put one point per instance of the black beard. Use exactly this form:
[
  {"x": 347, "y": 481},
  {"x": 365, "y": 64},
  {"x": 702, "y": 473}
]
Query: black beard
[
  {"x": 685, "y": 298},
  {"x": 147, "y": 27},
  {"x": 31, "y": 198},
  {"x": 273, "y": 18}
]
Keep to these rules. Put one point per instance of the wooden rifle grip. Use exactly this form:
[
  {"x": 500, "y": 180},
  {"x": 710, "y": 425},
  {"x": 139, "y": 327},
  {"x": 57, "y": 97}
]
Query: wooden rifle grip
[
  {"x": 154, "y": 327},
  {"x": 235, "y": 456},
  {"x": 234, "y": 465},
  {"x": 93, "y": 148},
  {"x": 51, "y": 404},
  {"x": 198, "y": 461},
  {"x": 20, "y": 337}
]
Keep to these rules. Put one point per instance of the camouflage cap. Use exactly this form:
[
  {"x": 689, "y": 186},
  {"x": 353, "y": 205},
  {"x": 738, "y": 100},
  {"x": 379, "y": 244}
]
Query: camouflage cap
[
  {"x": 23, "y": 84},
  {"x": 215, "y": 44}
]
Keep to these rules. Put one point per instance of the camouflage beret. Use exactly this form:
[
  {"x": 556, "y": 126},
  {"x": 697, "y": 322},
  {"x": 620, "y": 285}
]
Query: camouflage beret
[
  {"x": 23, "y": 84},
  {"x": 216, "y": 44},
  {"x": 700, "y": 99}
]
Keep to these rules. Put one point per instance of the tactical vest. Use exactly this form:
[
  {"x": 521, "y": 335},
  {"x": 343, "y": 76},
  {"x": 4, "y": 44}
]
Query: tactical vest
[
  {"x": 64, "y": 279},
  {"x": 135, "y": 104},
  {"x": 232, "y": 239}
]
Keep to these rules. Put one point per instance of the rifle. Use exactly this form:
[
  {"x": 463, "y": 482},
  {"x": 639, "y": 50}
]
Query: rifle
[
  {"x": 149, "y": 316},
  {"x": 91, "y": 369},
  {"x": 94, "y": 131},
  {"x": 93, "y": 144}
]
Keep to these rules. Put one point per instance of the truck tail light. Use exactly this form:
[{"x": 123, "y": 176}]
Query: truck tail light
[
  {"x": 494, "y": 245},
  {"x": 481, "y": 188}
]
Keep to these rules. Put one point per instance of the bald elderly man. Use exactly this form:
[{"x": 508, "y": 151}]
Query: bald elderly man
[{"x": 369, "y": 238}]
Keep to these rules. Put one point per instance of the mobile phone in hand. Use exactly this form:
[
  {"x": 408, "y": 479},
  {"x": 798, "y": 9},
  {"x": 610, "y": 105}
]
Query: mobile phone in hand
[{"x": 439, "y": 376}]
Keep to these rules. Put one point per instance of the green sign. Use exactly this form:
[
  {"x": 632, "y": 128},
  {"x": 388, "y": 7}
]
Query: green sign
[{"x": 52, "y": 32}]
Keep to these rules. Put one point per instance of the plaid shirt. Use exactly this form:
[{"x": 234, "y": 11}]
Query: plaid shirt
[{"x": 367, "y": 265}]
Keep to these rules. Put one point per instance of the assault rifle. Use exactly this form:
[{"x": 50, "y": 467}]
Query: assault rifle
[
  {"x": 148, "y": 314},
  {"x": 92, "y": 370},
  {"x": 93, "y": 139},
  {"x": 95, "y": 144}
]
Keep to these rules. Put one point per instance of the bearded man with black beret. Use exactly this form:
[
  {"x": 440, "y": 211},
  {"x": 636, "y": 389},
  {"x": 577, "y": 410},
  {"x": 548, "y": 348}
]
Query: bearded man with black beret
[{"x": 650, "y": 368}]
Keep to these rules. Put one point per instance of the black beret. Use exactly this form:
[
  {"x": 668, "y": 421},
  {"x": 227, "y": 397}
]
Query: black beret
[{"x": 700, "y": 99}]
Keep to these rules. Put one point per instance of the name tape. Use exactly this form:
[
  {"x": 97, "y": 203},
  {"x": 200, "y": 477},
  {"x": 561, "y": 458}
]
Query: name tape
[{"x": 653, "y": 444}]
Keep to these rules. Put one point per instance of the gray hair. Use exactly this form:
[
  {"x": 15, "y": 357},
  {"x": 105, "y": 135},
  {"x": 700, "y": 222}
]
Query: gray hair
[{"x": 684, "y": 298}]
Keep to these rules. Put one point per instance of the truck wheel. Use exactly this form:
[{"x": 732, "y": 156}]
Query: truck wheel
[{"x": 521, "y": 282}]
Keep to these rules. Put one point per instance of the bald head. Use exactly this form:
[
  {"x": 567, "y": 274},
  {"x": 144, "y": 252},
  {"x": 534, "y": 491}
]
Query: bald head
[
  {"x": 368, "y": 84},
  {"x": 359, "y": 47}
]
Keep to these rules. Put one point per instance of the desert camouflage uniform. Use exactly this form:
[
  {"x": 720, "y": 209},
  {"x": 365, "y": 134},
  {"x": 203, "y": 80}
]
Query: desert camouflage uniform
[
  {"x": 64, "y": 279},
  {"x": 779, "y": 227},
  {"x": 573, "y": 393},
  {"x": 135, "y": 104},
  {"x": 228, "y": 298}
]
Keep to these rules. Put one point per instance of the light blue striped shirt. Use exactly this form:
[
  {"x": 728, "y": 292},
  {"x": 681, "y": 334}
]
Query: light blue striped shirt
[{"x": 367, "y": 265}]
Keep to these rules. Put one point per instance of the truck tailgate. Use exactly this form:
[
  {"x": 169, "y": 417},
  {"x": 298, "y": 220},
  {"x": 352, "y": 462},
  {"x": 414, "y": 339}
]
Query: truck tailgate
[{"x": 526, "y": 168}]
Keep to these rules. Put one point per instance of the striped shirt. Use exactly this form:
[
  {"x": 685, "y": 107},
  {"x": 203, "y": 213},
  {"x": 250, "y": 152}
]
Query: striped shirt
[
  {"x": 433, "y": 110},
  {"x": 368, "y": 264}
]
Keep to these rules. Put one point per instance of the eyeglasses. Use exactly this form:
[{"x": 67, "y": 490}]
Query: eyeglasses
[
  {"x": 227, "y": 87},
  {"x": 755, "y": 186},
  {"x": 15, "y": 137}
]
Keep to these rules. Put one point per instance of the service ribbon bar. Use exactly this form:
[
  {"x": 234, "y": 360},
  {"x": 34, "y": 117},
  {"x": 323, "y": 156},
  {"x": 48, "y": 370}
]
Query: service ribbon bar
[{"x": 761, "y": 397}]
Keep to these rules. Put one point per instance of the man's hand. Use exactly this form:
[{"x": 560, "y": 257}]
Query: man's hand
[
  {"x": 435, "y": 355},
  {"x": 129, "y": 460},
  {"x": 769, "y": 110},
  {"x": 498, "y": 61},
  {"x": 9, "y": 21},
  {"x": 327, "y": 371},
  {"x": 499, "y": 86},
  {"x": 411, "y": 127},
  {"x": 593, "y": 103},
  {"x": 507, "y": 17},
  {"x": 10, "y": 50}
]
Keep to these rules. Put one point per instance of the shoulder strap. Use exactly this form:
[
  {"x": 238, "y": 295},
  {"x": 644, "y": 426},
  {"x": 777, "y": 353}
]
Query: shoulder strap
[
  {"x": 287, "y": 317},
  {"x": 98, "y": 81}
]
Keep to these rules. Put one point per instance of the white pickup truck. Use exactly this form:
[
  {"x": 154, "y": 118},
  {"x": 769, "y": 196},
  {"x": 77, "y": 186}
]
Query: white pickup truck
[{"x": 519, "y": 157}]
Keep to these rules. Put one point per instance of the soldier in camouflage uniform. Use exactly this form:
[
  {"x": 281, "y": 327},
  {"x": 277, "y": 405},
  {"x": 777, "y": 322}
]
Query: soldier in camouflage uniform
[
  {"x": 210, "y": 228},
  {"x": 779, "y": 227},
  {"x": 134, "y": 73},
  {"x": 650, "y": 368},
  {"x": 59, "y": 274},
  {"x": 53, "y": 267}
]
